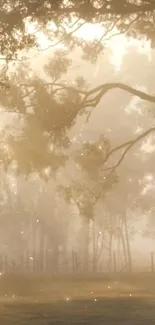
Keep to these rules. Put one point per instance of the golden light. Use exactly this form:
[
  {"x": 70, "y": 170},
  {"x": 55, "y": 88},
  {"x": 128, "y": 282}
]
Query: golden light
[
  {"x": 90, "y": 31},
  {"x": 119, "y": 44}
]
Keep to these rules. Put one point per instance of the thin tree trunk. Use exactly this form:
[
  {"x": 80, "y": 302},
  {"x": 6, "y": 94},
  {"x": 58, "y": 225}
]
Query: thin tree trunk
[
  {"x": 42, "y": 249},
  {"x": 86, "y": 225},
  {"x": 94, "y": 248},
  {"x": 99, "y": 250},
  {"x": 127, "y": 245},
  {"x": 55, "y": 259},
  {"x": 110, "y": 250},
  {"x": 119, "y": 249},
  {"x": 123, "y": 246}
]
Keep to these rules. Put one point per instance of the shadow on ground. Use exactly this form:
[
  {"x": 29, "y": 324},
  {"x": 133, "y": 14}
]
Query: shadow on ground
[{"x": 112, "y": 311}]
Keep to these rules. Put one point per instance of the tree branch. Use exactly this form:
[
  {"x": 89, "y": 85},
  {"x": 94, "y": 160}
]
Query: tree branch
[
  {"x": 125, "y": 30},
  {"x": 100, "y": 91},
  {"x": 127, "y": 145}
]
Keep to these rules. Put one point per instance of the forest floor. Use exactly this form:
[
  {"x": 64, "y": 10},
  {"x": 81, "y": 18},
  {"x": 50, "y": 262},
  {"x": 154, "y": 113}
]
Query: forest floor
[{"x": 123, "y": 300}]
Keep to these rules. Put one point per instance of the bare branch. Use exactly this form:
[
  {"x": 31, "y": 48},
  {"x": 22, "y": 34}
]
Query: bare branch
[
  {"x": 113, "y": 25},
  {"x": 64, "y": 38},
  {"x": 128, "y": 146},
  {"x": 75, "y": 22},
  {"x": 126, "y": 29},
  {"x": 100, "y": 91}
]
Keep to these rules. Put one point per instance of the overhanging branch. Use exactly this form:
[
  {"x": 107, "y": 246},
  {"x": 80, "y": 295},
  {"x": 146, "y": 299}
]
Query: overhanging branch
[
  {"x": 127, "y": 145},
  {"x": 100, "y": 91}
]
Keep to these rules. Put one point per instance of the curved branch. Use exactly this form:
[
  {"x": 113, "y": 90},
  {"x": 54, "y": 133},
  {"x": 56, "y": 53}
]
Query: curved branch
[
  {"x": 62, "y": 39},
  {"x": 127, "y": 145},
  {"x": 100, "y": 91}
]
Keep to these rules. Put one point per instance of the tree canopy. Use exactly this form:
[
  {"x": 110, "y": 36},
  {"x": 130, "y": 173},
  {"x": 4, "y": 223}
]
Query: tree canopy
[
  {"x": 47, "y": 111},
  {"x": 132, "y": 18}
]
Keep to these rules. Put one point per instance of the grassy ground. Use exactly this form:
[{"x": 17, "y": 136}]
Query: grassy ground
[{"x": 124, "y": 300}]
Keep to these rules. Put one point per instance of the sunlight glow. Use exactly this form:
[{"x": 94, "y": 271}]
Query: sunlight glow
[
  {"x": 118, "y": 43},
  {"x": 41, "y": 37},
  {"x": 89, "y": 32},
  {"x": 149, "y": 177},
  {"x": 147, "y": 146},
  {"x": 146, "y": 189},
  {"x": 46, "y": 171},
  {"x": 6, "y": 148}
]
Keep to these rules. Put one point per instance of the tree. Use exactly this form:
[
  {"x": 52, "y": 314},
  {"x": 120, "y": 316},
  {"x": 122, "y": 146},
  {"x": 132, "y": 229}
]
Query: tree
[
  {"x": 47, "y": 111},
  {"x": 135, "y": 19},
  {"x": 27, "y": 99},
  {"x": 50, "y": 128},
  {"x": 47, "y": 127},
  {"x": 43, "y": 142},
  {"x": 88, "y": 186},
  {"x": 32, "y": 223}
]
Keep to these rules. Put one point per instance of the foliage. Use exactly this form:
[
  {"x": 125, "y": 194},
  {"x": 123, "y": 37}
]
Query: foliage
[
  {"x": 91, "y": 156},
  {"x": 136, "y": 18},
  {"x": 48, "y": 110},
  {"x": 44, "y": 112},
  {"x": 93, "y": 183}
]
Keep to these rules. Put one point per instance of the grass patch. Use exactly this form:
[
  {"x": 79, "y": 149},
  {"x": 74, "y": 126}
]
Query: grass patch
[{"x": 113, "y": 300}]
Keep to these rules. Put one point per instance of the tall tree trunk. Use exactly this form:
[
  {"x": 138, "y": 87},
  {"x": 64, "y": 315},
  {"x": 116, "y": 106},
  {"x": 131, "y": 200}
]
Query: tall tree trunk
[
  {"x": 110, "y": 250},
  {"x": 55, "y": 258},
  {"x": 34, "y": 236},
  {"x": 119, "y": 250},
  {"x": 94, "y": 247},
  {"x": 42, "y": 249},
  {"x": 123, "y": 245},
  {"x": 86, "y": 225},
  {"x": 127, "y": 244}
]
